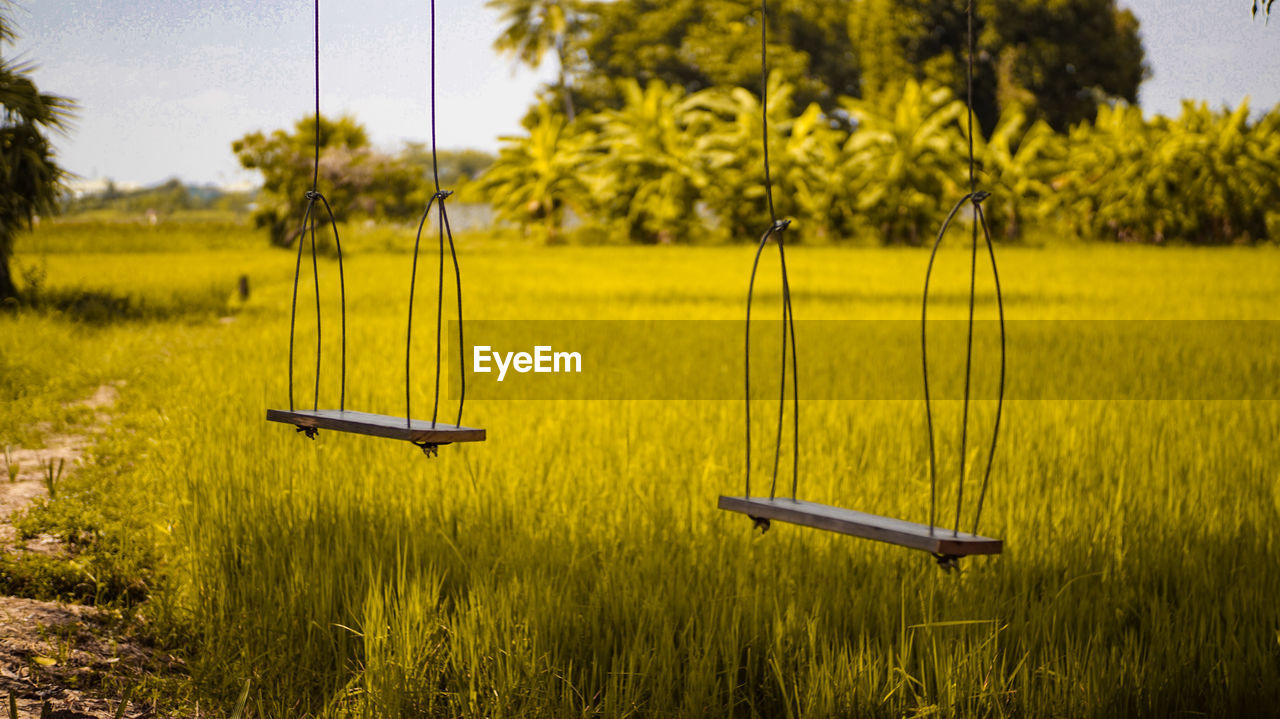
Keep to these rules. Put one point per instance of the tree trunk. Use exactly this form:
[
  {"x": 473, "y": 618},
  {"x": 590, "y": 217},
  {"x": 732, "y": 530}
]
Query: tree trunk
[
  {"x": 7, "y": 288},
  {"x": 565, "y": 92}
]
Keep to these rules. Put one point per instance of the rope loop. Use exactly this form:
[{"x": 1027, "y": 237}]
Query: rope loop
[
  {"x": 313, "y": 195},
  {"x": 442, "y": 194},
  {"x": 311, "y": 432},
  {"x": 780, "y": 226},
  {"x": 977, "y": 196}
]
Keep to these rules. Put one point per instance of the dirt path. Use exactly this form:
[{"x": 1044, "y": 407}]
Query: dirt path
[{"x": 51, "y": 651}]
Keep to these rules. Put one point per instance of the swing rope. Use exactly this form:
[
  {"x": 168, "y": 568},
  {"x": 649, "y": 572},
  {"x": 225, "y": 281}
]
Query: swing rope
[
  {"x": 309, "y": 228},
  {"x": 975, "y": 198},
  {"x": 776, "y": 229},
  {"x": 445, "y": 231}
]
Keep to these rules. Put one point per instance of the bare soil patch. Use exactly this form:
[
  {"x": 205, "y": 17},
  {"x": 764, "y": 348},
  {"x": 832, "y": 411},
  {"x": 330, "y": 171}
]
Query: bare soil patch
[{"x": 49, "y": 651}]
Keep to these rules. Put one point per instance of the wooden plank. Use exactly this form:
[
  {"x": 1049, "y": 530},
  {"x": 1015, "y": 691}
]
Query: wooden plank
[
  {"x": 939, "y": 540},
  {"x": 377, "y": 425}
]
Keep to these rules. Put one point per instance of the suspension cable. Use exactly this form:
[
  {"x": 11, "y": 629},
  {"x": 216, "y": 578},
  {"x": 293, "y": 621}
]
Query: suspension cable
[
  {"x": 308, "y": 229},
  {"x": 764, "y": 105},
  {"x": 776, "y": 230},
  {"x": 975, "y": 198},
  {"x": 445, "y": 232},
  {"x": 995, "y": 431}
]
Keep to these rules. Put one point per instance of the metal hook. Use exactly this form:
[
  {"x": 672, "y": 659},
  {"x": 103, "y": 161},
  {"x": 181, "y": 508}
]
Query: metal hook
[{"x": 947, "y": 562}]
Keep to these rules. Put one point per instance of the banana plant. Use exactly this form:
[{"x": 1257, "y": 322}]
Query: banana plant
[
  {"x": 1102, "y": 193},
  {"x": 1204, "y": 177},
  {"x": 731, "y": 144},
  {"x": 649, "y": 172},
  {"x": 1017, "y": 165},
  {"x": 905, "y": 159},
  {"x": 537, "y": 176},
  {"x": 806, "y": 165}
]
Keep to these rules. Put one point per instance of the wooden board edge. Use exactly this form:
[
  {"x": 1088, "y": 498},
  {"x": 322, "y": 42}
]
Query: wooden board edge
[
  {"x": 472, "y": 434},
  {"x": 937, "y": 544}
]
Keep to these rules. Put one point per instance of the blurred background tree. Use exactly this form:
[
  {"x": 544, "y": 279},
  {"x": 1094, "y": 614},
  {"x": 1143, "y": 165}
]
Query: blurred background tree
[
  {"x": 286, "y": 161},
  {"x": 1058, "y": 59},
  {"x": 30, "y": 177},
  {"x": 698, "y": 44},
  {"x": 540, "y": 175},
  {"x": 532, "y": 28},
  {"x": 651, "y": 130},
  {"x": 356, "y": 179}
]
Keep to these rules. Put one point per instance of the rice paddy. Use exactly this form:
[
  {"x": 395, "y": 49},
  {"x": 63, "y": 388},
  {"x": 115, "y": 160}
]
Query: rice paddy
[{"x": 574, "y": 564}]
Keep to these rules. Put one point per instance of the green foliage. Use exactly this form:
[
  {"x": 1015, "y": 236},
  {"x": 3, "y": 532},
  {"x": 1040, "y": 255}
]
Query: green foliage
[
  {"x": 1065, "y": 57},
  {"x": 356, "y": 180},
  {"x": 807, "y": 172},
  {"x": 649, "y": 171},
  {"x": 538, "y": 176},
  {"x": 1017, "y": 165},
  {"x": 29, "y": 175},
  {"x": 907, "y": 154},
  {"x": 457, "y": 167},
  {"x": 698, "y": 44},
  {"x": 1205, "y": 177},
  {"x": 1057, "y": 58},
  {"x": 670, "y": 166}
]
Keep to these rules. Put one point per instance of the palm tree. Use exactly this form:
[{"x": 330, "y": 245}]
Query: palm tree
[
  {"x": 531, "y": 28},
  {"x": 30, "y": 180}
]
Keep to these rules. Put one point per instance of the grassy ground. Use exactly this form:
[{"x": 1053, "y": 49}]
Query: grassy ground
[{"x": 575, "y": 563}]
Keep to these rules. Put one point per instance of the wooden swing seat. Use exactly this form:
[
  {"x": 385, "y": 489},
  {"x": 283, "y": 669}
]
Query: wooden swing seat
[
  {"x": 377, "y": 425},
  {"x": 938, "y": 540}
]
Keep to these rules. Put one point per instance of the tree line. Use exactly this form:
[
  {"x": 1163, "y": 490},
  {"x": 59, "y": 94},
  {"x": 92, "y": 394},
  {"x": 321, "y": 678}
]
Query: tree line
[
  {"x": 1057, "y": 59},
  {"x": 651, "y": 131},
  {"x": 674, "y": 166},
  {"x": 652, "y": 128},
  {"x": 1055, "y": 83},
  {"x": 356, "y": 178}
]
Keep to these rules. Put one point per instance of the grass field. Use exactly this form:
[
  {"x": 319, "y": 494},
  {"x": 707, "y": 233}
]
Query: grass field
[{"x": 575, "y": 564}]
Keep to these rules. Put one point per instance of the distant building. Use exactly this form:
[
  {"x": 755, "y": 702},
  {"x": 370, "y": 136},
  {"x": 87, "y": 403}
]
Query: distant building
[{"x": 99, "y": 186}]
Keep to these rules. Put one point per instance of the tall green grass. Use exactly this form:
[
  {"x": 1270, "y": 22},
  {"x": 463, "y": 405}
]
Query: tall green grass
[{"x": 575, "y": 564}]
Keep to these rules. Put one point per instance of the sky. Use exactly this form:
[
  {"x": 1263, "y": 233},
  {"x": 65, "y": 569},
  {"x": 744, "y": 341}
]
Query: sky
[{"x": 165, "y": 86}]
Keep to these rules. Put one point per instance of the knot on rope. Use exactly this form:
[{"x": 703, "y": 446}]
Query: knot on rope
[
  {"x": 978, "y": 196},
  {"x": 442, "y": 194},
  {"x": 313, "y": 195},
  {"x": 311, "y": 432},
  {"x": 431, "y": 449},
  {"x": 780, "y": 226},
  {"x": 761, "y": 523}
]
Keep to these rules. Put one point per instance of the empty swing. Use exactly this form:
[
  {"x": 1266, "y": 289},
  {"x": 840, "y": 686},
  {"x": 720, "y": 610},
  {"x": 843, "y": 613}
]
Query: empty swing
[
  {"x": 428, "y": 435},
  {"x": 945, "y": 544}
]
